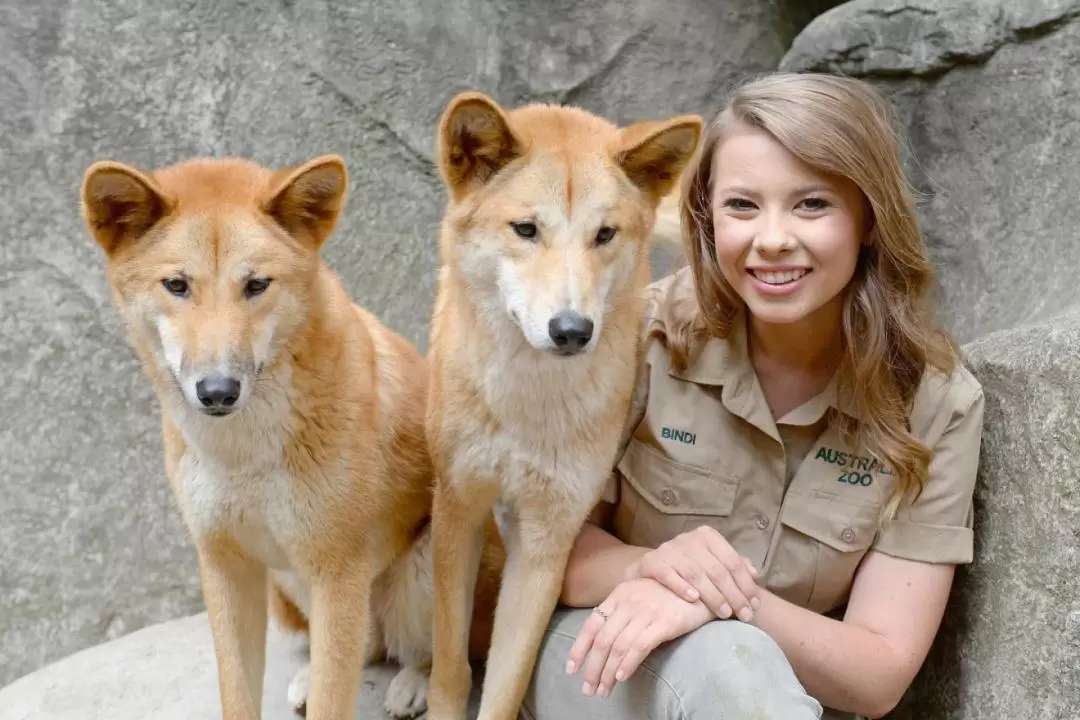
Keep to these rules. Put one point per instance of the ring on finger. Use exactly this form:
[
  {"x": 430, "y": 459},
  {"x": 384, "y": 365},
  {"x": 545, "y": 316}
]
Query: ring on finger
[{"x": 601, "y": 613}]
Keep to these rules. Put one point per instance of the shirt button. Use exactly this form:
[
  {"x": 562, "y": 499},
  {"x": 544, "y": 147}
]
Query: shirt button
[
  {"x": 667, "y": 497},
  {"x": 848, "y": 535},
  {"x": 763, "y": 522}
]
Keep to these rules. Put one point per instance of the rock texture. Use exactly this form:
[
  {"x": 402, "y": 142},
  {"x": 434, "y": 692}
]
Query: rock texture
[
  {"x": 92, "y": 545},
  {"x": 167, "y": 672},
  {"x": 987, "y": 96}
]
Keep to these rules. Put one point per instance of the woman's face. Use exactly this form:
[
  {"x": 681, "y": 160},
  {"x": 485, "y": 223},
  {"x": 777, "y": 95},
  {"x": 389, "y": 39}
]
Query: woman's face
[{"x": 787, "y": 236}]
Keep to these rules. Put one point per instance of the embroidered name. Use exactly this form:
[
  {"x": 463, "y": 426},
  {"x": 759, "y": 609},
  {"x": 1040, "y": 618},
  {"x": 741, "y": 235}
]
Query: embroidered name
[{"x": 683, "y": 436}]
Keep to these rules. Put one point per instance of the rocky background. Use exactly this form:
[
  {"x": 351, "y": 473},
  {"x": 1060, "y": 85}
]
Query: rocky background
[{"x": 91, "y": 546}]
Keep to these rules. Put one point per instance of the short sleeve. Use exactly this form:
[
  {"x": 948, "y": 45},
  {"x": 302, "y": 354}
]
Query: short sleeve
[{"x": 938, "y": 526}]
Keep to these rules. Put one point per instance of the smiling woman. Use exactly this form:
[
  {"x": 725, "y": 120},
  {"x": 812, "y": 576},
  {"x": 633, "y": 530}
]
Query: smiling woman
[{"x": 779, "y": 535}]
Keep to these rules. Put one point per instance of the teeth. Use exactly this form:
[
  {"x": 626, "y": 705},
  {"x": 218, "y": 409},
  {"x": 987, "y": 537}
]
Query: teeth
[{"x": 779, "y": 278}]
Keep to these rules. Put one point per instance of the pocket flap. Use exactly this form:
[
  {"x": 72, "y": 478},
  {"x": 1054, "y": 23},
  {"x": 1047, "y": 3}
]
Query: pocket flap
[
  {"x": 675, "y": 488},
  {"x": 841, "y": 523}
]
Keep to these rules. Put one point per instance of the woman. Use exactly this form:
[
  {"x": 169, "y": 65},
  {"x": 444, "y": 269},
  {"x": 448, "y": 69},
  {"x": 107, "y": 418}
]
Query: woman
[{"x": 780, "y": 534}]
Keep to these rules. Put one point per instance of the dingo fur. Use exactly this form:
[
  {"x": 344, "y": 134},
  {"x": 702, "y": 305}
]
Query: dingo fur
[
  {"x": 293, "y": 422},
  {"x": 534, "y": 350}
]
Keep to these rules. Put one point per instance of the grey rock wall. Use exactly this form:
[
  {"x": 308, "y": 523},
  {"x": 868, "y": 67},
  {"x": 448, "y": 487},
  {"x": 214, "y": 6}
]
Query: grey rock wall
[
  {"x": 92, "y": 547},
  {"x": 989, "y": 99}
]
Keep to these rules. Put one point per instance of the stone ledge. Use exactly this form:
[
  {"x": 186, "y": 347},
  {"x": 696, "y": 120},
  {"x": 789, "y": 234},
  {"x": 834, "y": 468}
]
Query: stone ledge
[{"x": 166, "y": 672}]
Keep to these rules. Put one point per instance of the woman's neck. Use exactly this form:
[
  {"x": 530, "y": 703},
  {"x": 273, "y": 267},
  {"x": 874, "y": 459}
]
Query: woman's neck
[{"x": 794, "y": 362}]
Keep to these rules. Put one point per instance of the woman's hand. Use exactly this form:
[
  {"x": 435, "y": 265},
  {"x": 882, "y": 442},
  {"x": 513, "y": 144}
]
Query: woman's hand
[
  {"x": 634, "y": 620},
  {"x": 701, "y": 564}
]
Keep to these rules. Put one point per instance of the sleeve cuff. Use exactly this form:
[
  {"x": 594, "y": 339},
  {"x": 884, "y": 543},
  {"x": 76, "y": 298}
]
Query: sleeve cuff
[{"x": 945, "y": 544}]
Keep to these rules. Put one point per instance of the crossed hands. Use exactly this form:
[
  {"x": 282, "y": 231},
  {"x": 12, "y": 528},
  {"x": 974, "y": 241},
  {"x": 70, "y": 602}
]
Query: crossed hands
[{"x": 671, "y": 591}]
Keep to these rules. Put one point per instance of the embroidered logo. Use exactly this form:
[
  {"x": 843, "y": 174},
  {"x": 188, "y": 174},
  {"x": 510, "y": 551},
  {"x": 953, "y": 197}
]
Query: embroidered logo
[{"x": 858, "y": 470}]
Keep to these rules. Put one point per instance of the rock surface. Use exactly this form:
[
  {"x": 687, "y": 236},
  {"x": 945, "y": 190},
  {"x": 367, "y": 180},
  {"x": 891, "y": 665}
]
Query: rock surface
[
  {"x": 987, "y": 96},
  {"x": 92, "y": 545},
  {"x": 1010, "y": 643},
  {"x": 168, "y": 672}
]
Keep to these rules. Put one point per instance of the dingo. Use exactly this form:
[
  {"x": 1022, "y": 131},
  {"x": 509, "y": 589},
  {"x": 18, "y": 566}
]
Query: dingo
[
  {"x": 535, "y": 342},
  {"x": 293, "y": 420}
]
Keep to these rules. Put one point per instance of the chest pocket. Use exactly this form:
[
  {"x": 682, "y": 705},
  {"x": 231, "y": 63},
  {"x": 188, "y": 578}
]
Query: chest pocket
[
  {"x": 826, "y": 537},
  {"x": 662, "y": 498}
]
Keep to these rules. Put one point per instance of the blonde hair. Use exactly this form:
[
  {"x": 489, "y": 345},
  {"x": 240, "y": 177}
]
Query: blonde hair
[{"x": 842, "y": 127}]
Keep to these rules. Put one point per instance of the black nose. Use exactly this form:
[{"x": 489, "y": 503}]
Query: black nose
[
  {"x": 218, "y": 391},
  {"x": 570, "y": 331}
]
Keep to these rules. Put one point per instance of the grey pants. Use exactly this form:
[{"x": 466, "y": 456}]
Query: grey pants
[{"x": 725, "y": 670}]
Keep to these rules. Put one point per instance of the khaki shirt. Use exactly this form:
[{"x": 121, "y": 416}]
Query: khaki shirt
[{"x": 789, "y": 495}]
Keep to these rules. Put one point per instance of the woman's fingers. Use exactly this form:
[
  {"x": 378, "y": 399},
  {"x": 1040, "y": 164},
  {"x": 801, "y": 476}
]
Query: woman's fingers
[
  {"x": 587, "y": 636},
  {"x": 605, "y": 638}
]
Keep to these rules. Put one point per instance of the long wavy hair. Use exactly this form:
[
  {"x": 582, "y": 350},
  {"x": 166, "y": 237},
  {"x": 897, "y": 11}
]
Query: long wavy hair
[{"x": 843, "y": 127}]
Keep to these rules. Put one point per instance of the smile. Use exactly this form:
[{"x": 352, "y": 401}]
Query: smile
[{"x": 785, "y": 277}]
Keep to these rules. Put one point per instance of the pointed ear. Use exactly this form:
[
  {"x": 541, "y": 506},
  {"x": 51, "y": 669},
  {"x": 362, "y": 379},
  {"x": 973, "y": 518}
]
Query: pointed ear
[
  {"x": 306, "y": 200},
  {"x": 475, "y": 141},
  {"x": 119, "y": 204},
  {"x": 653, "y": 154}
]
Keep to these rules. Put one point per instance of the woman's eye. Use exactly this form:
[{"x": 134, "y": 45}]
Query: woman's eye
[
  {"x": 815, "y": 204},
  {"x": 176, "y": 286},
  {"x": 526, "y": 230},
  {"x": 739, "y": 204},
  {"x": 256, "y": 286}
]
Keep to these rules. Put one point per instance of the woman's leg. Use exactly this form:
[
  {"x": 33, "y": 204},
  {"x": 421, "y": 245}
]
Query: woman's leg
[{"x": 725, "y": 669}]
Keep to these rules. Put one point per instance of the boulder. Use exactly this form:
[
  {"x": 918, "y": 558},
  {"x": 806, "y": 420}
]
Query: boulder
[
  {"x": 93, "y": 547},
  {"x": 168, "y": 672},
  {"x": 987, "y": 100}
]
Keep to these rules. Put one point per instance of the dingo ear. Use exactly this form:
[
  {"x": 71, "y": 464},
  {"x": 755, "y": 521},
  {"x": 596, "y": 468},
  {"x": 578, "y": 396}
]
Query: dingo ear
[
  {"x": 120, "y": 204},
  {"x": 475, "y": 141},
  {"x": 307, "y": 200},
  {"x": 653, "y": 154}
]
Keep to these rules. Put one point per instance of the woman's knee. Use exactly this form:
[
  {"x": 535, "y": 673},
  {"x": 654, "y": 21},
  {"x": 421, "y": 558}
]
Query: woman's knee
[
  {"x": 732, "y": 649},
  {"x": 724, "y": 669},
  {"x": 729, "y": 664}
]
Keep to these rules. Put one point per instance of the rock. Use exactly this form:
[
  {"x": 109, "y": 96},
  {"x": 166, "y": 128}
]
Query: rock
[
  {"x": 168, "y": 672},
  {"x": 93, "y": 545},
  {"x": 986, "y": 99},
  {"x": 1010, "y": 642},
  {"x": 991, "y": 134}
]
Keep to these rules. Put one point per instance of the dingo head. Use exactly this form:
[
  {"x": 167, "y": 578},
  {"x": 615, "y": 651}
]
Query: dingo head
[
  {"x": 551, "y": 210},
  {"x": 211, "y": 263}
]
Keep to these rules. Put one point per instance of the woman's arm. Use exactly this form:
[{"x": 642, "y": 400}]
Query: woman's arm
[
  {"x": 598, "y": 562},
  {"x": 865, "y": 663}
]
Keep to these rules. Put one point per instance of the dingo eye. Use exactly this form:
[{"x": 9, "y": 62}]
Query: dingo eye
[
  {"x": 604, "y": 235},
  {"x": 176, "y": 286},
  {"x": 525, "y": 230},
  {"x": 256, "y": 286}
]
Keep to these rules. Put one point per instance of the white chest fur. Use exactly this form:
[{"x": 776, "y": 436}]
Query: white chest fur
[
  {"x": 233, "y": 479},
  {"x": 553, "y": 415},
  {"x": 252, "y": 507}
]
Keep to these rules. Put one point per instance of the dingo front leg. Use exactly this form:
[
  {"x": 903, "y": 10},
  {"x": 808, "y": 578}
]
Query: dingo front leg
[
  {"x": 457, "y": 537},
  {"x": 537, "y": 553},
  {"x": 234, "y": 590},
  {"x": 340, "y": 625}
]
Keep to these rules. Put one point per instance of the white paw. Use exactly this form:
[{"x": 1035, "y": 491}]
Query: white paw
[
  {"x": 407, "y": 694},
  {"x": 298, "y": 689}
]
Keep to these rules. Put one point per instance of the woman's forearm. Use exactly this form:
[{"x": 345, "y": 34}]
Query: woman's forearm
[
  {"x": 844, "y": 666},
  {"x": 597, "y": 564}
]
